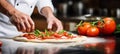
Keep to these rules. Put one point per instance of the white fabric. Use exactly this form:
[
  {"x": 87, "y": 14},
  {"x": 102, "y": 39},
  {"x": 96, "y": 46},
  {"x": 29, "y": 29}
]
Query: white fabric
[{"x": 25, "y": 6}]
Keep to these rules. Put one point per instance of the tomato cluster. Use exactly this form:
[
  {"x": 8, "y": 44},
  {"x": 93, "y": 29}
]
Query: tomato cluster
[{"x": 106, "y": 25}]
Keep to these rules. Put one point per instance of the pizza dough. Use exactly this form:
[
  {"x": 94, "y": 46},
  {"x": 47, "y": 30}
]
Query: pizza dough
[{"x": 24, "y": 39}]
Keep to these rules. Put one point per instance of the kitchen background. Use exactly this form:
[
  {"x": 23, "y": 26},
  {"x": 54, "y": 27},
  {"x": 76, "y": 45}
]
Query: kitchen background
[{"x": 70, "y": 12}]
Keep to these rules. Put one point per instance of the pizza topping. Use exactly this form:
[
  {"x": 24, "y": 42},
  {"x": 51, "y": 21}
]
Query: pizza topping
[
  {"x": 49, "y": 35},
  {"x": 29, "y": 36}
]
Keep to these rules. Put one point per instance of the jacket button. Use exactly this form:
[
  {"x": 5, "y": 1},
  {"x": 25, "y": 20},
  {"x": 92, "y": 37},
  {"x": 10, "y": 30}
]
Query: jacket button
[
  {"x": 17, "y": 4},
  {"x": 31, "y": 6}
]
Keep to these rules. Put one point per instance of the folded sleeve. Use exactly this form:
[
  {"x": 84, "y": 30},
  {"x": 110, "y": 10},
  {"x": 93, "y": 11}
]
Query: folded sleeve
[{"x": 44, "y": 3}]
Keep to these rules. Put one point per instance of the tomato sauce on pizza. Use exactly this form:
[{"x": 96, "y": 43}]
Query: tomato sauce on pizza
[{"x": 49, "y": 35}]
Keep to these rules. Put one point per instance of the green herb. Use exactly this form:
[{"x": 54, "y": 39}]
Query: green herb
[
  {"x": 47, "y": 33},
  {"x": 61, "y": 31},
  {"x": 117, "y": 29},
  {"x": 38, "y": 33}
]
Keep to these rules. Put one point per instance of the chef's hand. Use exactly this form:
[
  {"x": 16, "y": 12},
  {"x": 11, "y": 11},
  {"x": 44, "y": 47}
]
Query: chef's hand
[
  {"x": 54, "y": 22},
  {"x": 22, "y": 21}
]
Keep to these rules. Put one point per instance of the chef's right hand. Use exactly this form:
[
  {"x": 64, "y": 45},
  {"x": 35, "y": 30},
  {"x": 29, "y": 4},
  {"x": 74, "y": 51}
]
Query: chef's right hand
[{"x": 22, "y": 21}]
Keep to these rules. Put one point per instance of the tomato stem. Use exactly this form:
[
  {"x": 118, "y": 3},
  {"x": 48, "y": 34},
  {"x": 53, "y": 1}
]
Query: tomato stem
[
  {"x": 79, "y": 24},
  {"x": 94, "y": 23}
]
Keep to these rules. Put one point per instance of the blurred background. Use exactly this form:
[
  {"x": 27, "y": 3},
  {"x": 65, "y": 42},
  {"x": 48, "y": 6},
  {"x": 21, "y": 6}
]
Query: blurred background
[
  {"x": 70, "y": 12},
  {"x": 71, "y": 8}
]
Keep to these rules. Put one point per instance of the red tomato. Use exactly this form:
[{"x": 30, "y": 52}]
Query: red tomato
[
  {"x": 29, "y": 36},
  {"x": 65, "y": 34},
  {"x": 108, "y": 25},
  {"x": 48, "y": 37},
  {"x": 57, "y": 35},
  {"x": 93, "y": 31},
  {"x": 0, "y": 43},
  {"x": 82, "y": 29}
]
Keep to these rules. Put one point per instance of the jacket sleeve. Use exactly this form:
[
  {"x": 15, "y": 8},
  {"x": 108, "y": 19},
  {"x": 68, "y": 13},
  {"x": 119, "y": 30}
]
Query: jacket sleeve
[{"x": 44, "y": 3}]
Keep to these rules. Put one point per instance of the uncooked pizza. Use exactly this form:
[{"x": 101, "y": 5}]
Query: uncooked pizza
[{"x": 49, "y": 36}]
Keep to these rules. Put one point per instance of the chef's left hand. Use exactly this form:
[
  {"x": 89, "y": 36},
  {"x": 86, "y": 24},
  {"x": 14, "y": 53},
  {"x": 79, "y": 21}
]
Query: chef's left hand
[{"x": 54, "y": 22}]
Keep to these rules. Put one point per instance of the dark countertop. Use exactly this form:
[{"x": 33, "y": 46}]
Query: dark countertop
[{"x": 111, "y": 46}]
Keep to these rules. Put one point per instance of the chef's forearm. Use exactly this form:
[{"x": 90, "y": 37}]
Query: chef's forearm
[
  {"x": 47, "y": 12},
  {"x": 7, "y": 6}
]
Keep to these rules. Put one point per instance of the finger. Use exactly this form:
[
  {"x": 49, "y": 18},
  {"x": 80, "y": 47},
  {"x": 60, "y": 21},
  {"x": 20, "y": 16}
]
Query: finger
[
  {"x": 18, "y": 27},
  {"x": 22, "y": 27},
  {"x": 32, "y": 25},
  {"x": 50, "y": 25},
  {"x": 59, "y": 26},
  {"x": 27, "y": 25}
]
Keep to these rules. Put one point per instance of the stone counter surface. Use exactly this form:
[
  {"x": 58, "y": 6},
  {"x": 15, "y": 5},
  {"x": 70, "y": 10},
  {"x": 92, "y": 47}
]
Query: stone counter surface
[{"x": 15, "y": 47}]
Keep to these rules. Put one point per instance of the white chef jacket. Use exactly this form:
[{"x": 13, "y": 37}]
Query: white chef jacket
[{"x": 7, "y": 29}]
